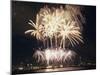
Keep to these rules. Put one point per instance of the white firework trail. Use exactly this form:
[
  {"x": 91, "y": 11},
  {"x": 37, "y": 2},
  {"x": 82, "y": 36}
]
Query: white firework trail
[
  {"x": 39, "y": 56},
  {"x": 54, "y": 56}
]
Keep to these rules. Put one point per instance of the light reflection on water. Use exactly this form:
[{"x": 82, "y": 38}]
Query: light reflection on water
[
  {"x": 60, "y": 69},
  {"x": 49, "y": 70}
]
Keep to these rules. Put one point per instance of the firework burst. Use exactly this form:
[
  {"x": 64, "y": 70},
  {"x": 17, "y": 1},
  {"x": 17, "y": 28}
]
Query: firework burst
[
  {"x": 57, "y": 27},
  {"x": 52, "y": 56}
]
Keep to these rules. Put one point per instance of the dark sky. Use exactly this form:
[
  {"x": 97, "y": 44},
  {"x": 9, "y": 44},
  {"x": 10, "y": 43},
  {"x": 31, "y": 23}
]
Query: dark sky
[{"x": 22, "y": 45}]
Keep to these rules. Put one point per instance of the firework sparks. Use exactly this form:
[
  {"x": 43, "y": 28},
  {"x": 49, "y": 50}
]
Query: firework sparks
[
  {"x": 54, "y": 56},
  {"x": 39, "y": 56},
  {"x": 59, "y": 23},
  {"x": 57, "y": 27}
]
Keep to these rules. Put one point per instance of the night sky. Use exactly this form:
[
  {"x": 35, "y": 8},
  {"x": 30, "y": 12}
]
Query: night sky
[{"x": 22, "y": 45}]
